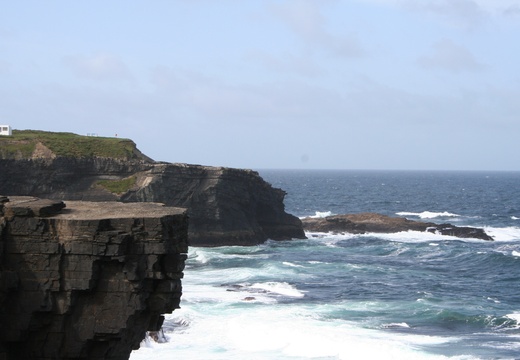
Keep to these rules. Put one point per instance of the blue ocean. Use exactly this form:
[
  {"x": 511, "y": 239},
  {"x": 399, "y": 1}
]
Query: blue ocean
[{"x": 409, "y": 295}]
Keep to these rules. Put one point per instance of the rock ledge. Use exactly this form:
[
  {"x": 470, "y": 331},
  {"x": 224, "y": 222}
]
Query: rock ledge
[
  {"x": 376, "y": 223},
  {"x": 82, "y": 280}
]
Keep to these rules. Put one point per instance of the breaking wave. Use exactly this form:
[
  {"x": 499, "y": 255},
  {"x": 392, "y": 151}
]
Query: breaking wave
[{"x": 428, "y": 214}]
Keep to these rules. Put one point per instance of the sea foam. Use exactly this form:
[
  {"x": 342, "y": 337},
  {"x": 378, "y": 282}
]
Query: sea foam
[
  {"x": 280, "y": 333},
  {"x": 428, "y": 214},
  {"x": 280, "y": 288},
  {"x": 320, "y": 214},
  {"x": 511, "y": 233}
]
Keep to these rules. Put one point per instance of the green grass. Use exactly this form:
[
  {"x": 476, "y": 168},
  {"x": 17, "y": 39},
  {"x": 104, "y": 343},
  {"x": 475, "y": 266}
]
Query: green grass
[
  {"x": 10, "y": 149},
  {"x": 118, "y": 186},
  {"x": 22, "y": 144}
]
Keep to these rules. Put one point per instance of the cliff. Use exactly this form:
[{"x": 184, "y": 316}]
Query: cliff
[
  {"x": 86, "y": 281},
  {"x": 226, "y": 206},
  {"x": 377, "y": 223}
]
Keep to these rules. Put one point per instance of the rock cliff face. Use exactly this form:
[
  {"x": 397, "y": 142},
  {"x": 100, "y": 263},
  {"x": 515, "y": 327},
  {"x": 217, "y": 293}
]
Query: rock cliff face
[
  {"x": 226, "y": 206},
  {"x": 88, "y": 280}
]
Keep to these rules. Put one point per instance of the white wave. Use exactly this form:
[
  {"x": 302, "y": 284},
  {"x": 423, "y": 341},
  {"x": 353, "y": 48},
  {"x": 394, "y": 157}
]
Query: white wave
[
  {"x": 332, "y": 239},
  {"x": 515, "y": 218},
  {"x": 199, "y": 256},
  {"x": 498, "y": 234},
  {"x": 319, "y": 214},
  {"x": 428, "y": 214},
  {"x": 216, "y": 277},
  {"x": 515, "y": 253},
  {"x": 511, "y": 233},
  {"x": 240, "y": 321},
  {"x": 515, "y": 317},
  {"x": 259, "y": 332},
  {"x": 281, "y": 288},
  {"x": 194, "y": 293},
  {"x": 411, "y": 236},
  {"x": 418, "y": 236},
  {"x": 242, "y": 256},
  {"x": 287, "y": 263}
]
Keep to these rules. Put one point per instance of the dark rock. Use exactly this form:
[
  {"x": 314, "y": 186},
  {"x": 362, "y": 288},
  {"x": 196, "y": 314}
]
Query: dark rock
[
  {"x": 377, "y": 223},
  {"x": 87, "y": 283},
  {"x": 3, "y": 200},
  {"x": 157, "y": 336},
  {"x": 460, "y": 231},
  {"x": 31, "y": 206},
  {"x": 226, "y": 206}
]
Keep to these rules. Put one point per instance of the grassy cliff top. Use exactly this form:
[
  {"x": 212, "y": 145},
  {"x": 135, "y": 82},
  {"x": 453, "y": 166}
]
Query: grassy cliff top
[{"x": 26, "y": 144}]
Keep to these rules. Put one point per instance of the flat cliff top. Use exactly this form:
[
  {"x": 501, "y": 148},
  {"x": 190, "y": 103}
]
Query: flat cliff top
[{"x": 87, "y": 210}]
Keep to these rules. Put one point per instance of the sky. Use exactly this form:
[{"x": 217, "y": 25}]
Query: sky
[{"x": 273, "y": 84}]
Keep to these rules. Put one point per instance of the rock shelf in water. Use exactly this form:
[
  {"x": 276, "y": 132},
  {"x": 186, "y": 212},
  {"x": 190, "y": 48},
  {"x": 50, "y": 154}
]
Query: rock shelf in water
[{"x": 376, "y": 223}]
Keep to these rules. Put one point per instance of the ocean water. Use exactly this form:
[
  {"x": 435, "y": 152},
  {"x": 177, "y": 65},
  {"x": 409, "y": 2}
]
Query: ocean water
[{"x": 409, "y": 295}]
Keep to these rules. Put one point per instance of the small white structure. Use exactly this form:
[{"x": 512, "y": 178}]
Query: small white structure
[{"x": 6, "y": 130}]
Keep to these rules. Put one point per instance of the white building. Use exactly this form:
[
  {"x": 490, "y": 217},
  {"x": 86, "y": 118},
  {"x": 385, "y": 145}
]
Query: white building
[{"x": 6, "y": 130}]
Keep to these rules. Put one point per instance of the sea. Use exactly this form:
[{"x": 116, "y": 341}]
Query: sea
[{"x": 407, "y": 295}]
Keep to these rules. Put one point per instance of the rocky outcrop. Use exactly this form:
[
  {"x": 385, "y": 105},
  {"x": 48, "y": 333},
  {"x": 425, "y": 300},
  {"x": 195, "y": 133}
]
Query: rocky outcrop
[
  {"x": 86, "y": 281},
  {"x": 377, "y": 223},
  {"x": 226, "y": 206}
]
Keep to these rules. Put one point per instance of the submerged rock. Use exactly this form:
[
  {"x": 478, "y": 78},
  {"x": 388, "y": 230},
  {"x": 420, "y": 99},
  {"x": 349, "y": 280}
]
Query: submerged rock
[{"x": 376, "y": 223}]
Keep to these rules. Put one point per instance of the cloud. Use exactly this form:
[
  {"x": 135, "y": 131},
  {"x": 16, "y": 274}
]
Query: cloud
[
  {"x": 305, "y": 18},
  {"x": 203, "y": 97},
  {"x": 4, "y": 66},
  {"x": 512, "y": 10},
  {"x": 302, "y": 65},
  {"x": 102, "y": 66},
  {"x": 449, "y": 56},
  {"x": 460, "y": 13},
  {"x": 497, "y": 6}
]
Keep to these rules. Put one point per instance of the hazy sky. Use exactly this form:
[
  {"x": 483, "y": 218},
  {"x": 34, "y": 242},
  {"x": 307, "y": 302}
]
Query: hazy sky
[{"x": 348, "y": 84}]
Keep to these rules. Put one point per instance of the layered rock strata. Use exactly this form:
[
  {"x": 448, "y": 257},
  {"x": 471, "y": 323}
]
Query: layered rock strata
[
  {"x": 86, "y": 281},
  {"x": 226, "y": 206},
  {"x": 377, "y": 223}
]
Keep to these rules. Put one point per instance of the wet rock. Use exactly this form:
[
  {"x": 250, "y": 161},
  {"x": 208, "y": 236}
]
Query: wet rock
[{"x": 376, "y": 223}]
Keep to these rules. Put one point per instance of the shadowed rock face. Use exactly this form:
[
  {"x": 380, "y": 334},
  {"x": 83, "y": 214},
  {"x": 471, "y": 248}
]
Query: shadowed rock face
[
  {"x": 86, "y": 281},
  {"x": 226, "y": 206},
  {"x": 377, "y": 223}
]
